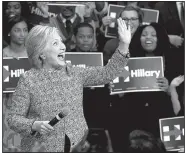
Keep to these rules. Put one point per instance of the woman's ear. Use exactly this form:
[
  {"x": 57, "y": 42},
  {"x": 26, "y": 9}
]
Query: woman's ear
[{"x": 42, "y": 57}]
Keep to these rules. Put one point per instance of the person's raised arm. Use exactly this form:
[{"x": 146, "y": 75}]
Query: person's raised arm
[
  {"x": 103, "y": 75},
  {"x": 174, "y": 95}
]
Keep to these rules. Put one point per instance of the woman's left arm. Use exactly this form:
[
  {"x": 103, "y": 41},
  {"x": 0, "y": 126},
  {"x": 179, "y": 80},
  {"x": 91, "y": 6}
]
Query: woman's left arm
[{"x": 103, "y": 75}]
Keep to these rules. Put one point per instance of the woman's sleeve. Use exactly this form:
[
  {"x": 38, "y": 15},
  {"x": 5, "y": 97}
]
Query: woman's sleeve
[
  {"x": 17, "y": 116},
  {"x": 92, "y": 76}
]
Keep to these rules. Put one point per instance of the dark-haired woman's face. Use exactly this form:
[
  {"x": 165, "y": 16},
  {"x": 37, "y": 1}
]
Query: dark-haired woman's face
[
  {"x": 149, "y": 39},
  {"x": 13, "y": 9},
  {"x": 19, "y": 32}
]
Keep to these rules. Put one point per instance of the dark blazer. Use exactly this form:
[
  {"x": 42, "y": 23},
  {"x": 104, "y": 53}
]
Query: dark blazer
[
  {"x": 169, "y": 18},
  {"x": 68, "y": 38}
]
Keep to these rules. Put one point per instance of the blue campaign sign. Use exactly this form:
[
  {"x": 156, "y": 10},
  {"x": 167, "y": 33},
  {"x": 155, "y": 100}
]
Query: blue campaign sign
[
  {"x": 172, "y": 132},
  {"x": 144, "y": 72},
  {"x": 13, "y": 68},
  {"x": 114, "y": 11},
  {"x": 84, "y": 58}
]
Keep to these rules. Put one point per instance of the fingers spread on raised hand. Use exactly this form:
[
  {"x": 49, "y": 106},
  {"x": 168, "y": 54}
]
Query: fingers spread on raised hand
[
  {"x": 123, "y": 24},
  {"x": 129, "y": 28},
  {"x": 182, "y": 77},
  {"x": 118, "y": 20}
]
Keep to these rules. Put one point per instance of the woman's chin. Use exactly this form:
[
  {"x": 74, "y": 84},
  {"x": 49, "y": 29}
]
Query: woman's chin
[{"x": 62, "y": 63}]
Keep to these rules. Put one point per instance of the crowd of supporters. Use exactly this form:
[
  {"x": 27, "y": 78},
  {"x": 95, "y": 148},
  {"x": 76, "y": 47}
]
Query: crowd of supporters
[{"x": 82, "y": 29}]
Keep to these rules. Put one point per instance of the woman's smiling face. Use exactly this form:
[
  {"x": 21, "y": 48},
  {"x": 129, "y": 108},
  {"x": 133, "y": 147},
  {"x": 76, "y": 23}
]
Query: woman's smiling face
[
  {"x": 54, "y": 52},
  {"x": 149, "y": 39},
  {"x": 13, "y": 9}
]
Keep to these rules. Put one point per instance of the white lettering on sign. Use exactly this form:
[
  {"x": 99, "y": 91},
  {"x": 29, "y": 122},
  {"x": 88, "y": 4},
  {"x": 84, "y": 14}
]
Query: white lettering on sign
[
  {"x": 143, "y": 73},
  {"x": 16, "y": 73},
  {"x": 138, "y": 73},
  {"x": 37, "y": 11}
]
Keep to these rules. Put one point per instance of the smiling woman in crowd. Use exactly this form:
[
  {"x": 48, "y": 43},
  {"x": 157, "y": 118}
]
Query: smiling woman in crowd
[
  {"x": 18, "y": 31},
  {"x": 142, "y": 110},
  {"x": 149, "y": 41},
  {"x": 11, "y": 10}
]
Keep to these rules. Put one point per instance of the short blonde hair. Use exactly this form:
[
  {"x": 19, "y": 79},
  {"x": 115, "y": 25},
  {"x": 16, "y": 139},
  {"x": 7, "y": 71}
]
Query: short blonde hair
[{"x": 36, "y": 42}]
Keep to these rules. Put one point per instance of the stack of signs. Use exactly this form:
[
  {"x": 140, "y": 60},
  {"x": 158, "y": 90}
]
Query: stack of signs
[
  {"x": 13, "y": 68},
  {"x": 172, "y": 132},
  {"x": 114, "y": 11},
  {"x": 142, "y": 75}
]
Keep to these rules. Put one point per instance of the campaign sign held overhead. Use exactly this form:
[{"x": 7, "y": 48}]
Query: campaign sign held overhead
[
  {"x": 172, "y": 132},
  {"x": 13, "y": 68},
  {"x": 114, "y": 11},
  {"x": 143, "y": 74}
]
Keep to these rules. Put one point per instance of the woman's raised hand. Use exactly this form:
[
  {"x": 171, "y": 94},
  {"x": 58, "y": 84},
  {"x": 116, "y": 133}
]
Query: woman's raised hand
[{"x": 124, "y": 32}]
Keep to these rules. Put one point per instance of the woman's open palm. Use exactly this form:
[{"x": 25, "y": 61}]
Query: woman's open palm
[{"x": 124, "y": 31}]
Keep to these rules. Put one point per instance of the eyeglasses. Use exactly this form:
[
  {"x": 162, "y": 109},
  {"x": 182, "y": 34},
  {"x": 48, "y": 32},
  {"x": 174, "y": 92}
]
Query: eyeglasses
[{"x": 131, "y": 19}]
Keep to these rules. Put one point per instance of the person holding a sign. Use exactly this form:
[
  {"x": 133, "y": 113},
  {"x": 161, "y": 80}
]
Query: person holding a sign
[
  {"x": 151, "y": 40},
  {"x": 132, "y": 16},
  {"x": 142, "y": 110},
  {"x": 51, "y": 84}
]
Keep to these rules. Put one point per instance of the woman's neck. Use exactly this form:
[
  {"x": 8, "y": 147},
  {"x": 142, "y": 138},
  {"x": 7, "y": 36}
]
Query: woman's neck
[
  {"x": 17, "y": 48},
  {"x": 79, "y": 50},
  {"x": 149, "y": 54},
  {"x": 51, "y": 68}
]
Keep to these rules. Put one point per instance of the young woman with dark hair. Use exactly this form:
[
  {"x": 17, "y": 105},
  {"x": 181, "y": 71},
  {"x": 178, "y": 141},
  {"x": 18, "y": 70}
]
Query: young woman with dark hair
[{"x": 17, "y": 31}]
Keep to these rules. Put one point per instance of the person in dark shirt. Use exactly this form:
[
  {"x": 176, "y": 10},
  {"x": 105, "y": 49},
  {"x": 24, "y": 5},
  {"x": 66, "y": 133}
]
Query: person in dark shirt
[
  {"x": 84, "y": 36},
  {"x": 96, "y": 100},
  {"x": 142, "y": 110}
]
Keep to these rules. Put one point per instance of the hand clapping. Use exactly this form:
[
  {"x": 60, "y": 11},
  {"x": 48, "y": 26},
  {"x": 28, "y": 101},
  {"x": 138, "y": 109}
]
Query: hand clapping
[{"x": 177, "y": 81}]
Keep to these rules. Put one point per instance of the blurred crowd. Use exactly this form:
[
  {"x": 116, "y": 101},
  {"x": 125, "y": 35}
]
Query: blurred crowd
[{"x": 82, "y": 29}]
